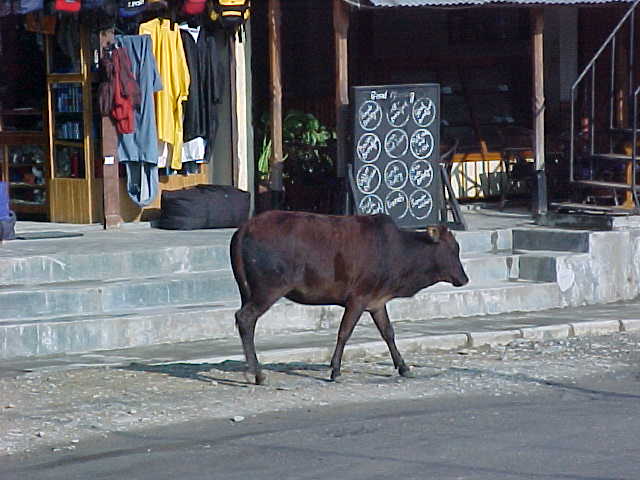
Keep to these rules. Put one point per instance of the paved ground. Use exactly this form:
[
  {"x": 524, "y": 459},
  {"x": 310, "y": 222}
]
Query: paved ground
[
  {"x": 584, "y": 429},
  {"x": 57, "y": 409}
]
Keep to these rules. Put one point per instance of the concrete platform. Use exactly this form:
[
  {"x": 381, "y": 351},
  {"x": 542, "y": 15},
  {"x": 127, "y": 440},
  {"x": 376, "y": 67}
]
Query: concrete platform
[{"x": 140, "y": 286}]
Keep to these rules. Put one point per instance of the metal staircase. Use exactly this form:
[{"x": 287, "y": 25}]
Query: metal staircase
[{"x": 604, "y": 127}]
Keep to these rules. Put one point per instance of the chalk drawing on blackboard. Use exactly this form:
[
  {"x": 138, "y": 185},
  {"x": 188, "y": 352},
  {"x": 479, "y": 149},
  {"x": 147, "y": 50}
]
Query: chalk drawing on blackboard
[
  {"x": 369, "y": 147},
  {"x": 396, "y": 143},
  {"x": 424, "y": 112},
  {"x": 368, "y": 179},
  {"x": 422, "y": 143},
  {"x": 370, "y": 115},
  {"x": 421, "y": 174},
  {"x": 371, "y": 205},
  {"x": 420, "y": 204},
  {"x": 396, "y": 204},
  {"x": 399, "y": 112},
  {"x": 396, "y": 174}
]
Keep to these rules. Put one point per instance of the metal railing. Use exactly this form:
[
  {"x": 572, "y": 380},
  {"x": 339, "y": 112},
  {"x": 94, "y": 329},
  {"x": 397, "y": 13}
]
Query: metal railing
[{"x": 589, "y": 73}]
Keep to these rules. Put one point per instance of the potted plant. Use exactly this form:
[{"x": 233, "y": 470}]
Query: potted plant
[{"x": 308, "y": 162}]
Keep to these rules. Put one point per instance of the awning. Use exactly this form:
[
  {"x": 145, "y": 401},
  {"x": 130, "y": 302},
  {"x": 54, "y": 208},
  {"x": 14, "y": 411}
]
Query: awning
[{"x": 452, "y": 3}]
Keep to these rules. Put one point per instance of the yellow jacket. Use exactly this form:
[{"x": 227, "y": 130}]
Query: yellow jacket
[{"x": 174, "y": 72}]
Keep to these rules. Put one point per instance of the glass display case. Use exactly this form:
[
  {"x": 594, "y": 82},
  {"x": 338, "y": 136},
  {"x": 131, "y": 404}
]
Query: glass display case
[
  {"x": 68, "y": 130},
  {"x": 72, "y": 138},
  {"x": 27, "y": 174},
  {"x": 24, "y": 166}
]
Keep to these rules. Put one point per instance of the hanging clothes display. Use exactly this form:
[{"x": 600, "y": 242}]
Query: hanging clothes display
[
  {"x": 205, "y": 90},
  {"x": 174, "y": 72},
  {"x": 139, "y": 150}
]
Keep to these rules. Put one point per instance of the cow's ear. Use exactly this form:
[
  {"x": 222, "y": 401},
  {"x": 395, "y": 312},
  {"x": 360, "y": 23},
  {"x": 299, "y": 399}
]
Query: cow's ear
[{"x": 433, "y": 234}]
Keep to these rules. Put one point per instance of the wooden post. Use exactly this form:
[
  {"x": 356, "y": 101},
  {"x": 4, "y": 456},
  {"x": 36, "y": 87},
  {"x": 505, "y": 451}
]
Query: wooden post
[
  {"x": 340, "y": 35},
  {"x": 276, "y": 161},
  {"x": 537, "y": 20},
  {"x": 622, "y": 112},
  {"x": 110, "y": 169},
  {"x": 233, "y": 105}
]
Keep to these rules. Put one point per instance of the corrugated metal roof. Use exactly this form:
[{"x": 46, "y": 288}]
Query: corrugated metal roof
[{"x": 451, "y": 3}]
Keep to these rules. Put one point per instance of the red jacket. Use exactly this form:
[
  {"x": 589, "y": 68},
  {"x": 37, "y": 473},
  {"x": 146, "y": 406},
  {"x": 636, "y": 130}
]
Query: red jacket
[{"x": 126, "y": 93}]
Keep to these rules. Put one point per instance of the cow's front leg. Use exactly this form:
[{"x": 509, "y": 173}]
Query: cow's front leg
[
  {"x": 381, "y": 319},
  {"x": 349, "y": 319}
]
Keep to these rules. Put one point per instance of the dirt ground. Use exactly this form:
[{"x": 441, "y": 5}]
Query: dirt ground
[{"x": 58, "y": 409}]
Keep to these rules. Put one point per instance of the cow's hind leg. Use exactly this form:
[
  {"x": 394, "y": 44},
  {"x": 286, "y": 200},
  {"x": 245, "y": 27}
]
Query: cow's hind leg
[
  {"x": 349, "y": 320},
  {"x": 381, "y": 319},
  {"x": 246, "y": 319}
]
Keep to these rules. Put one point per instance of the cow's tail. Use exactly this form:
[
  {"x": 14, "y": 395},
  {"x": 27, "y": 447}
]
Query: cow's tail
[{"x": 237, "y": 264}]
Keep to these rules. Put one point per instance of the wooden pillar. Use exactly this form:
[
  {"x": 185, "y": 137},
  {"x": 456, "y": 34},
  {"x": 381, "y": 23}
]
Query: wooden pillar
[
  {"x": 110, "y": 169},
  {"x": 340, "y": 35},
  {"x": 233, "y": 105},
  {"x": 341, "y": 30},
  {"x": 537, "y": 41},
  {"x": 275, "y": 83}
]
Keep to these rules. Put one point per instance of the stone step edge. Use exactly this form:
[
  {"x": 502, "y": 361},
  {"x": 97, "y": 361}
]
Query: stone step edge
[
  {"x": 226, "y": 273},
  {"x": 368, "y": 350},
  {"x": 233, "y": 304},
  {"x": 99, "y": 333},
  {"x": 67, "y": 285},
  {"x": 42, "y": 283}
]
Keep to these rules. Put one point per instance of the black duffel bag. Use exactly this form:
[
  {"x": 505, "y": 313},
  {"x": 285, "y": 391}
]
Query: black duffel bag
[{"x": 204, "y": 206}]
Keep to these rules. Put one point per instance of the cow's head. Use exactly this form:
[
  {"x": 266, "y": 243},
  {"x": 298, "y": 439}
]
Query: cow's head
[{"x": 447, "y": 257}]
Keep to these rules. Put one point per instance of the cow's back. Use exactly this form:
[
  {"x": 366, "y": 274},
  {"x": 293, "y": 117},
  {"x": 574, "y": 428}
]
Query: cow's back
[{"x": 317, "y": 259}]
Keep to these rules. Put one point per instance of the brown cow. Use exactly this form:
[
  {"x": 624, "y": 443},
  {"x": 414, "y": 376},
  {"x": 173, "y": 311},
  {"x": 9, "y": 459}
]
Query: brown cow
[{"x": 358, "y": 262}]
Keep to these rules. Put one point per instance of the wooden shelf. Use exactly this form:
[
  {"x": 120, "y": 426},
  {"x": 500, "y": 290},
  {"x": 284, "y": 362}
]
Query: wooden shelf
[
  {"x": 31, "y": 113},
  {"x": 69, "y": 143},
  {"x": 27, "y": 185},
  {"x": 26, "y": 165},
  {"x": 28, "y": 207}
]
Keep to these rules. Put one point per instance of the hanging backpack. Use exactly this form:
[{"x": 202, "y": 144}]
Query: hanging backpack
[{"x": 230, "y": 14}]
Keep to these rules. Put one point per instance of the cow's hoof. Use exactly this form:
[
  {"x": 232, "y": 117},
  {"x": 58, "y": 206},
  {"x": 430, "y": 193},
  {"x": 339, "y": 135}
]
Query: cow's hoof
[
  {"x": 406, "y": 372},
  {"x": 261, "y": 379},
  {"x": 335, "y": 375}
]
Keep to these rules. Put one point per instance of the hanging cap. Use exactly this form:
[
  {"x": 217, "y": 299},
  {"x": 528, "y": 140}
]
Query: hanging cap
[
  {"x": 157, "y": 4},
  {"x": 193, "y": 7},
  {"x": 67, "y": 5},
  {"x": 130, "y": 8},
  {"x": 25, "y": 6}
]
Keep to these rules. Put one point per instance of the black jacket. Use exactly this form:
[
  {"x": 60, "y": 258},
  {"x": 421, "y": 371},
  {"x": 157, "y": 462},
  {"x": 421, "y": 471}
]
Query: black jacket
[{"x": 205, "y": 89}]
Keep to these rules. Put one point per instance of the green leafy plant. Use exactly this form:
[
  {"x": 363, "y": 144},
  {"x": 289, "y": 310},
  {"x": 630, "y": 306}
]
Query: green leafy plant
[{"x": 305, "y": 140}]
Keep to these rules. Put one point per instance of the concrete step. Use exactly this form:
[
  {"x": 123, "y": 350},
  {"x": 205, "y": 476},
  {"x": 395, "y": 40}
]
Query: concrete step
[
  {"x": 547, "y": 266},
  {"x": 123, "y": 295},
  {"x": 134, "y": 262},
  {"x": 41, "y": 265},
  {"x": 92, "y": 297},
  {"x": 177, "y": 323},
  {"x": 489, "y": 267},
  {"x": 551, "y": 240}
]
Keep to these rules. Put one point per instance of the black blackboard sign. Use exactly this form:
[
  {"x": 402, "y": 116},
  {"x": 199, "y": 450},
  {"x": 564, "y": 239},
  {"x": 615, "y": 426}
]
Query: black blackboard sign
[{"x": 396, "y": 138}]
